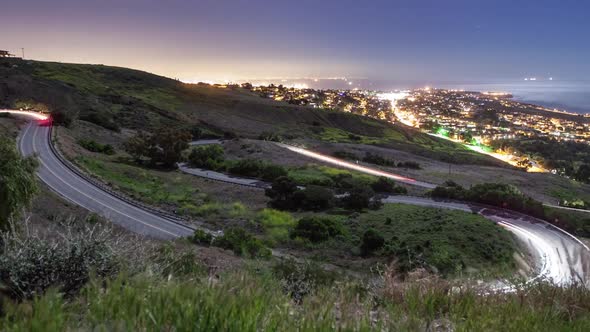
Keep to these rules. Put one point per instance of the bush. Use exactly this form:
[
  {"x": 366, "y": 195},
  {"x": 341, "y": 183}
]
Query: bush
[
  {"x": 345, "y": 155},
  {"x": 30, "y": 265},
  {"x": 372, "y": 241},
  {"x": 242, "y": 243},
  {"x": 272, "y": 172},
  {"x": 282, "y": 194},
  {"x": 378, "y": 160},
  {"x": 93, "y": 146},
  {"x": 277, "y": 224},
  {"x": 315, "y": 198},
  {"x": 358, "y": 197},
  {"x": 207, "y": 156},
  {"x": 317, "y": 229},
  {"x": 270, "y": 136},
  {"x": 386, "y": 185},
  {"x": 257, "y": 169},
  {"x": 201, "y": 237}
]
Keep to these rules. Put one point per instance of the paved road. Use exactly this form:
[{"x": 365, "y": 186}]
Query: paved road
[
  {"x": 561, "y": 257},
  {"x": 35, "y": 140}
]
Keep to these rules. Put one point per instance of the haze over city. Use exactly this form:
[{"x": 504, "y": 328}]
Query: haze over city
[{"x": 413, "y": 41}]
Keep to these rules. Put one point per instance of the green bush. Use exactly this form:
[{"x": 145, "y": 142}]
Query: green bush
[
  {"x": 30, "y": 265},
  {"x": 358, "y": 197},
  {"x": 314, "y": 198},
  {"x": 242, "y": 243},
  {"x": 378, "y": 160},
  {"x": 277, "y": 224},
  {"x": 207, "y": 156},
  {"x": 201, "y": 237},
  {"x": 386, "y": 185},
  {"x": 317, "y": 229},
  {"x": 94, "y": 146},
  {"x": 345, "y": 155}
]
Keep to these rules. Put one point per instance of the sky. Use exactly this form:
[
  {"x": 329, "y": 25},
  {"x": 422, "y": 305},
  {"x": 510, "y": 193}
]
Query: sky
[{"x": 452, "y": 40}]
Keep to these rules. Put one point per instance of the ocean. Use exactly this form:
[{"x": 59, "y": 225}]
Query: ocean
[{"x": 571, "y": 96}]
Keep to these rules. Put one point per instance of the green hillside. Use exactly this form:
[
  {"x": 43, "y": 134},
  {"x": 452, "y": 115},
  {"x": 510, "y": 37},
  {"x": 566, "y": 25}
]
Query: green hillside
[{"x": 118, "y": 98}]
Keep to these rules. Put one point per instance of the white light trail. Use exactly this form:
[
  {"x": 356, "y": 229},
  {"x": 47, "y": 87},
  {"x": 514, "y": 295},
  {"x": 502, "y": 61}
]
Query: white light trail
[
  {"x": 356, "y": 167},
  {"x": 36, "y": 115}
]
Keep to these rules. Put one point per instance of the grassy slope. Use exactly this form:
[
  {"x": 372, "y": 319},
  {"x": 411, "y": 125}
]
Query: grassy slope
[
  {"x": 255, "y": 302},
  {"x": 135, "y": 99},
  {"x": 450, "y": 241}
]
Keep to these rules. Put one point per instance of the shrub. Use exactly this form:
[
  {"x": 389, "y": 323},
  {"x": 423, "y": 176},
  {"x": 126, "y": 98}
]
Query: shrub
[
  {"x": 272, "y": 172},
  {"x": 345, "y": 155},
  {"x": 386, "y": 185},
  {"x": 94, "y": 146},
  {"x": 201, "y": 237},
  {"x": 317, "y": 229},
  {"x": 276, "y": 224},
  {"x": 282, "y": 194},
  {"x": 378, "y": 160},
  {"x": 207, "y": 156},
  {"x": 30, "y": 265},
  {"x": 270, "y": 136},
  {"x": 358, "y": 197},
  {"x": 372, "y": 241},
  {"x": 242, "y": 243},
  {"x": 315, "y": 198}
]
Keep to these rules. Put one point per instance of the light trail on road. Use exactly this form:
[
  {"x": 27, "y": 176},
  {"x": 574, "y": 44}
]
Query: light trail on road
[{"x": 356, "y": 167}]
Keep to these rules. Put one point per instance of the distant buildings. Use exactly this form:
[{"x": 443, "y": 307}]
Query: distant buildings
[{"x": 6, "y": 54}]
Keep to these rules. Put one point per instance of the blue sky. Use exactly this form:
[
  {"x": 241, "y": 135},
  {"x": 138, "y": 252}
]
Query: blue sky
[{"x": 401, "y": 40}]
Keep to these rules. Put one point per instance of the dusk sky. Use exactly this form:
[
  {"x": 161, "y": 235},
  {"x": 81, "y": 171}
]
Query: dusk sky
[{"x": 397, "y": 40}]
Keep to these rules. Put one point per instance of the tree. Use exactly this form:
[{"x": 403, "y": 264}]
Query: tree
[
  {"x": 208, "y": 156},
  {"x": 358, "y": 197},
  {"x": 137, "y": 146},
  {"x": 315, "y": 198},
  {"x": 169, "y": 143},
  {"x": 282, "y": 193},
  {"x": 18, "y": 184},
  {"x": 583, "y": 173},
  {"x": 372, "y": 241},
  {"x": 163, "y": 147},
  {"x": 386, "y": 185}
]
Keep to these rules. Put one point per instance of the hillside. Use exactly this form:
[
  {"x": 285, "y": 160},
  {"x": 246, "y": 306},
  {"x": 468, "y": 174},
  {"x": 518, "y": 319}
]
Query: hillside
[{"x": 117, "y": 98}]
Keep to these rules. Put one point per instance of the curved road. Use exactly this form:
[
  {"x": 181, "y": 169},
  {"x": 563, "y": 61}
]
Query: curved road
[
  {"x": 561, "y": 257},
  {"x": 34, "y": 139}
]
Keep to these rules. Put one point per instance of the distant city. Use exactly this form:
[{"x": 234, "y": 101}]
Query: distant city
[{"x": 479, "y": 120}]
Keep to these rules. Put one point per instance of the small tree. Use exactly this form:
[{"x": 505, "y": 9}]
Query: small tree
[
  {"x": 282, "y": 194},
  {"x": 358, "y": 197}
]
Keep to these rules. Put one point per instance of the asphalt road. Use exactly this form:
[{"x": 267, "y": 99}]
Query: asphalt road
[
  {"x": 560, "y": 257},
  {"x": 34, "y": 139}
]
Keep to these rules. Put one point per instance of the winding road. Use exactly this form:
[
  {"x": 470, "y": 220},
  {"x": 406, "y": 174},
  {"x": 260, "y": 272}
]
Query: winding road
[
  {"x": 560, "y": 257},
  {"x": 35, "y": 139}
]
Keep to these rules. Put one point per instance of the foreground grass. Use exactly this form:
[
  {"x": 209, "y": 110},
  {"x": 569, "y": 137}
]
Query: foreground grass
[{"x": 249, "y": 301}]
